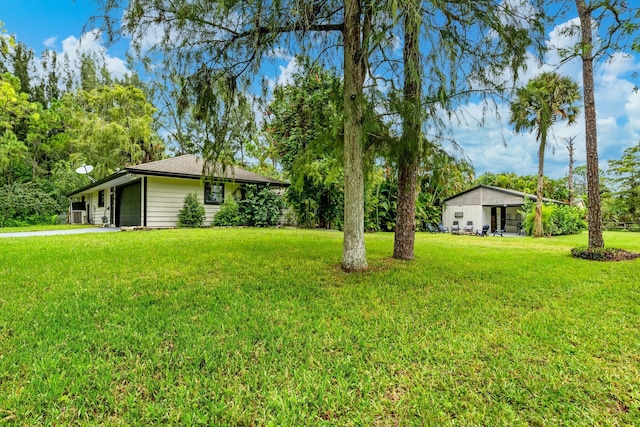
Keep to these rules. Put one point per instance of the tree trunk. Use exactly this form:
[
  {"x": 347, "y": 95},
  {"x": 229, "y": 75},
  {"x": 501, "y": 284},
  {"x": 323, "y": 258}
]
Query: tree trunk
[
  {"x": 403, "y": 245},
  {"x": 591, "y": 135},
  {"x": 571, "y": 149},
  {"x": 538, "y": 230},
  {"x": 354, "y": 257}
]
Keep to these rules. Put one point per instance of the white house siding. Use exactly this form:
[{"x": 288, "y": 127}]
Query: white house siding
[
  {"x": 486, "y": 218},
  {"x": 96, "y": 213},
  {"x": 165, "y": 199},
  {"x": 476, "y": 206},
  {"x": 469, "y": 213}
]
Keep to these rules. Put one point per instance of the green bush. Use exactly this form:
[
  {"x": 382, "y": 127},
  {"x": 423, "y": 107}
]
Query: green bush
[
  {"x": 228, "y": 215},
  {"x": 556, "y": 219},
  {"x": 192, "y": 213},
  {"x": 260, "y": 207},
  {"x": 318, "y": 200},
  {"x": 26, "y": 204}
]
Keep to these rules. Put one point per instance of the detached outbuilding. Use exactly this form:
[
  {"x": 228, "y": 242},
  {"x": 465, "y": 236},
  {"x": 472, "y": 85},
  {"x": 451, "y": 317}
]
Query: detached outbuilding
[
  {"x": 152, "y": 194},
  {"x": 499, "y": 208}
]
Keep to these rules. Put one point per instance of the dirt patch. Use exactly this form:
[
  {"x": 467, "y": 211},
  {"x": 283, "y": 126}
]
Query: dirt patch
[{"x": 604, "y": 254}]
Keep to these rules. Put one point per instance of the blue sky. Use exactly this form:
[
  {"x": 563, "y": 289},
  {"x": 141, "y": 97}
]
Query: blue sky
[{"x": 58, "y": 25}]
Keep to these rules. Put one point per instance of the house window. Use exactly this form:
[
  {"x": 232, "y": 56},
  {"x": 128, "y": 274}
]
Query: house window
[
  {"x": 101, "y": 199},
  {"x": 213, "y": 194}
]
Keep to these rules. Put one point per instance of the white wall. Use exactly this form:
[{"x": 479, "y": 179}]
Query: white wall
[
  {"x": 469, "y": 213},
  {"x": 165, "y": 198},
  {"x": 96, "y": 213}
]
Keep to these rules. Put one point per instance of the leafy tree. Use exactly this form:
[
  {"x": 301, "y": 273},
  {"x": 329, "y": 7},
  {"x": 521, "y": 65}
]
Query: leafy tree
[
  {"x": 466, "y": 47},
  {"x": 230, "y": 49},
  {"x": 14, "y": 109},
  {"x": 626, "y": 172},
  {"x": 47, "y": 90},
  {"x": 112, "y": 126},
  {"x": 552, "y": 188},
  {"x": 537, "y": 106},
  {"x": 88, "y": 73},
  {"x": 21, "y": 59},
  {"x": 6, "y": 42},
  {"x": 300, "y": 123}
]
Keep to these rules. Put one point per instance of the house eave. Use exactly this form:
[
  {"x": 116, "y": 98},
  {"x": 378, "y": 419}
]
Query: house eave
[
  {"x": 193, "y": 176},
  {"x": 98, "y": 183}
]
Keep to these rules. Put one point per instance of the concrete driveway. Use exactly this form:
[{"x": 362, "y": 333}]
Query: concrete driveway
[{"x": 59, "y": 232}]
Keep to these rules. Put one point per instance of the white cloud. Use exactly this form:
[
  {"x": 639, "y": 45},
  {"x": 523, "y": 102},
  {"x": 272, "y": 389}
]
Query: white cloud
[
  {"x": 89, "y": 43},
  {"x": 632, "y": 110},
  {"x": 618, "y": 112},
  {"x": 285, "y": 75},
  {"x": 50, "y": 42}
]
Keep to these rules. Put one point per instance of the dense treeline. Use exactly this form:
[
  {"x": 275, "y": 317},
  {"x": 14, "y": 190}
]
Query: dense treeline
[
  {"x": 67, "y": 114},
  {"x": 59, "y": 116}
]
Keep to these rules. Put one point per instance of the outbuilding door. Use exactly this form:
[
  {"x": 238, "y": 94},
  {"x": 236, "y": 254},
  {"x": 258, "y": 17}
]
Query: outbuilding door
[{"x": 128, "y": 205}]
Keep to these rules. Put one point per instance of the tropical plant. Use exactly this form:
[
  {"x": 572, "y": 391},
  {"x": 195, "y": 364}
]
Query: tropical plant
[
  {"x": 537, "y": 106},
  {"x": 556, "y": 219}
]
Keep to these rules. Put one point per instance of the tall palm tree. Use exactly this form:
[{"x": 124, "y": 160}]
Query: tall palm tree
[{"x": 544, "y": 100}]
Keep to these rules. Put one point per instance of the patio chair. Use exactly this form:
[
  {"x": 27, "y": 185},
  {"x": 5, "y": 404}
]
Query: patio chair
[
  {"x": 519, "y": 229},
  {"x": 455, "y": 226},
  {"x": 483, "y": 232},
  {"x": 499, "y": 232},
  {"x": 442, "y": 228},
  {"x": 469, "y": 227},
  {"x": 431, "y": 229}
]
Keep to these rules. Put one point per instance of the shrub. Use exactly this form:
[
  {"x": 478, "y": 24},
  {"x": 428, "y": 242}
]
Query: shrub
[
  {"x": 556, "y": 219},
  {"x": 260, "y": 206},
  {"x": 318, "y": 199},
  {"x": 228, "y": 215},
  {"x": 26, "y": 204},
  {"x": 192, "y": 213}
]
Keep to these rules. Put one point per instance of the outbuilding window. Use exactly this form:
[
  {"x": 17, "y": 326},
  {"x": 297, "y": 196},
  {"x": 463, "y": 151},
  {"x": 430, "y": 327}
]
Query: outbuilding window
[{"x": 213, "y": 194}]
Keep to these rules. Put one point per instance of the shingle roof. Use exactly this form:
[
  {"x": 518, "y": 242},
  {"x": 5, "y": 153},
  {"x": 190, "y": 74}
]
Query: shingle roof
[{"x": 191, "y": 166}]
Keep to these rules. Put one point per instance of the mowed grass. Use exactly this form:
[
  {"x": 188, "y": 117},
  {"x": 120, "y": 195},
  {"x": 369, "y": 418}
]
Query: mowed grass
[
  {"x": 261, "y": 327},
  {"x": 43, "y": 228}
]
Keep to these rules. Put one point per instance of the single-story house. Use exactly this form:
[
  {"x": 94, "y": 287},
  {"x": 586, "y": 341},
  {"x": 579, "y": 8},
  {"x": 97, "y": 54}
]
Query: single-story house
[
  {"x": 152, "y": 194},
  {"x": 499, "y": 208}
]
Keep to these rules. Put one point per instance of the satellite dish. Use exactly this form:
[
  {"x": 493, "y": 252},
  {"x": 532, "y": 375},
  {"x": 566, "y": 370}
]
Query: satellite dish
[{"x": 85, "y": 170}]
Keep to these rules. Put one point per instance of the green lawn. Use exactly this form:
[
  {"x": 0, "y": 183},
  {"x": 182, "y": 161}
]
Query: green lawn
[
  {"x": 246, "y": 327},
  {"x": 43, "y": 228}
]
